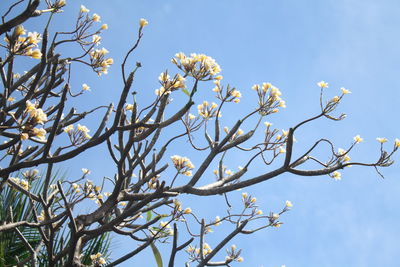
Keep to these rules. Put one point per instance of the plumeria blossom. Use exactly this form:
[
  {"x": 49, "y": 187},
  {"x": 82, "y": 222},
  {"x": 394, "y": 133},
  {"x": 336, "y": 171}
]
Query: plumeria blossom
[
  {"x": 322, "y": 84},
  {"x": 336, "y": 175},
  {"x": 269, "y": 98},
  {"x": 36, "y": 114},
  {"x": 358, "y": 139},
  {"x": 199, "y": 66},
  {"x": 182, "y": 165},
  {"x": 381, "y": 140},
  {"x": 208, "y": 111},
  {"x": 143, "y": 22},
  {"x": 19, "y": 44}
]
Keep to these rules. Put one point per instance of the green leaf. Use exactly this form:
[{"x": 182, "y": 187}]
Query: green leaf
[
  {"x": 148, "y": 218},
  {"x": 186, "y": 92},
  {"x": 157, "y": 255}
]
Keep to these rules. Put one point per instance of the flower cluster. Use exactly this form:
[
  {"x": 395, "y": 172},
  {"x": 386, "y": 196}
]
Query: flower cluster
[
  {"x": 97, "y": 258},
  {"x": 168, "y": 85},
  {"x": 342, "y": 154},
  {"x": 233, "y": 254},
  {"x": 231, "y": 94},
  {"x": 199, "y": 66},
  {"x": 99, "y": 62},
  {"x": 77, "y": 135},
  {"x": 208, "y": 111},
  {"x": 37, "y": 115},
  {"x": 21, "y": 182},
  {"x": 268, "y": 98},
  {"x": 19, "y": 44},
  {"x": 183, "y": 165}
]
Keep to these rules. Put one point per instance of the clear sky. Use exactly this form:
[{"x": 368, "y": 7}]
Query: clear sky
[{"x": 292, "y": 44}]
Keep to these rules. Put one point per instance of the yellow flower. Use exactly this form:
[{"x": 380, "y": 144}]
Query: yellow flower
[
  {"x": 217, "y": 221},
  {"x": 240, "y": 259},
  {"x": 322, "y": 84},
  {"x": 255, "y": 87},
  {"x": 129, "y": 107},
  {"x": 104, "y": 26},
  {"x": 95, "y": 17},
  {"x": 85, "y": 87},
  {"x": 61, "y": 3},
  {"x": 85, "y": 171},
  {"x": 39, "y": 133},
  {"x": 397, "y": 142},
  {"x": 187, "y": 211},
  {"x": 253, "y": 200},
  {"x": 381, "y": 140},
  {"x": 335, "y": 99},
  {"x": 33, "y": 38},
  {"x": 96, "y": 39},
  {"x": 357, "y": 139},
  {"x": 143, "y": 22},
  {"x": 19, "y": 30},
  {"x": 69, "y": 128},
  {"x": 244, "y": 195},
  {"x": 336, "y": 175},
  {"x": 345, "y": 91},
  {"x": 24, "y": 136},
  {"x": 187, "y": 173},
  {"x": 266, "y": 86},
  {"x": 36, "y": 54},
  {"x": 191, "y": 116},
  {"x": 259, "y": 212},
  {"x": 288, "y": 204},
  {"x": 218, "y": 78},
  {"x": 267, "y": 124},
  {"x": 84, "y": 9},
  {"x": 11, "y": 99},
  {"x": 342, "y": 153},
  {"x": 282, "y": 150}
]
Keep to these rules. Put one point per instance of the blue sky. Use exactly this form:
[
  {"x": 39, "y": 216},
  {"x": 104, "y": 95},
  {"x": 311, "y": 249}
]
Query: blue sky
[{"x": 292, "y": 44}]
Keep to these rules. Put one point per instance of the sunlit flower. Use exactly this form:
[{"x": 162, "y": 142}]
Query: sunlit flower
[
  {"x": 336, "y": 175},
  {"x": 39, "y": 133},
  {"x": 104, "y": 26},
  {"x": 85, "y": 171},
  {"x": 84, "y": 9},
  {"x": 357, "y": 139},
  {"x": 95, "y": 17},
  {"x": 288, "y": 204},
  {"x": 19, "y": 30},
  {"x": 69, "y": 128},
  {"x": 85, "y": 87},
  {"x": 322, "y": 84},
  {"x": 267, "y": 124},
  {"x": 96, "y": 39},
  {"x": 342, "y": 153},
  {"x": 335, "y": 99},
  {"x": 217, "y": 221},
  {"x": 397, "y": 143},
  {"x": 187, "y": 211},
  {"x": 143, "y": 22},
  {"x": 381, "y": 140},
  {"x": 24, "y": 136},
  {"x": 345, "y": 91}
]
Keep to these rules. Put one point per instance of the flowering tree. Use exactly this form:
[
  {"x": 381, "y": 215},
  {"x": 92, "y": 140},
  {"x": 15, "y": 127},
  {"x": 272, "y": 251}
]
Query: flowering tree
[{"x": 142, "y": 201}]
